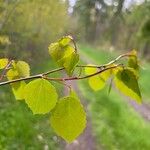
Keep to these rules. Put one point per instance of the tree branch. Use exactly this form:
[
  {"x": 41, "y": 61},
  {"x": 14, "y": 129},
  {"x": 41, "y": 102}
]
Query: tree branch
[
  {"x": 79, "y": 78},
  {"x": 44, "y": 75},
  {"x": 56, "y": 79},
  {"x": 5, "y": 69}
]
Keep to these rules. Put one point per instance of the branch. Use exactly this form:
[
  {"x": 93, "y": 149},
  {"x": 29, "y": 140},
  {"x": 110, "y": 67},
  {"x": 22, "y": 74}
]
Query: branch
[
  {"x": 5, "y": 69},
  {"x": 115, "y": 60},
  {"x": 53, "y": 71},
  {"x": 79, "y": 78},
  {"x": 55, "y": 79},
  {"x": 107, "y": 64},
  {"x": 21, "y": 79},
  {"x": 92, "y": 66},
  {"x": 44, "y": 75}
]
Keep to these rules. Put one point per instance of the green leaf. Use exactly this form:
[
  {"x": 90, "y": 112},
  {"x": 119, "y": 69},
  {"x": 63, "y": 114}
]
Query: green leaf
[
  {"x": 40, "y": 96},
  {"x": 97, "y": 82},
  {"x": 133, "y": 62},
  {"x": 12, "y": 74},
  {"x": 65, "y": 40},
  {"x": 90, "y": 70},
  {"x": 3, "y": 63},
  {"x": 71, "y": 62},
  {"x": 55, "y": 51},
  {"x": 18, "y": 89},
  {"x": 58, "y": 52},
  {"x": 23, "y": 69},
  {"x": 64, "y": 54},
  {"x": 126, "y": 81},
  {"x": 68, "y": 118},
  {"x": 67, "y": 51},
  {"x": 19, "y": 70}
]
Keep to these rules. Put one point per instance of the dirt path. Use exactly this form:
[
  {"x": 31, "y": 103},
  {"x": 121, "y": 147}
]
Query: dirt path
[
  {"x": 143, "y": 109},
  {"x": 86, "y": 141}
]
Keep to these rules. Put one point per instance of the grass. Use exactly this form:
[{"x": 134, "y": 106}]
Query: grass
[
  {"x": 144, "y": 82},
  {"x": 116, "y": 125}
]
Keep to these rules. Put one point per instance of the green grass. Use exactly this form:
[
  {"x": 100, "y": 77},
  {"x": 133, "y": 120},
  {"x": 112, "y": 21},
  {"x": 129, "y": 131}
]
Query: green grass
[
  {"x": 144, "y": 81},
  {"x": 95, "y": 55},
  {"x": 116, "y": 125}
]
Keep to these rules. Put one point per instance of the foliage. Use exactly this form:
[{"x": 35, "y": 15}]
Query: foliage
[
  {"x": 67, "y": 114},
  {"x": 30, "y": 25}
]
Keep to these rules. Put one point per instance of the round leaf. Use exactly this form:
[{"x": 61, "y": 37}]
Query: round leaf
[
  {"x": 40, "y": 96},
  {"x": 68, "y": 118},
  {"x": 23, "y": 69},
  {"x": 3, "y": 62},
  {"x": 96, "y": 83},
  {"x": 18, "y": 89}
]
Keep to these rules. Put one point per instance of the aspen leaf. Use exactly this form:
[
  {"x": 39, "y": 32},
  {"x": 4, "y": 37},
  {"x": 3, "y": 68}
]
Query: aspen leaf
[
  {"x": 3, "y": 62},
  {"x": 64, "y": 54},
  {"x": 68, "y": 50},
  {"x": 126, "y": 81},
  {"x": 56, "y": 51},
  {"x": 41, "y": 96},
  {"x": 65, "y": 40},
  {"x": 18, "y": 89},
  {"x": 90, "y": 70},
  {"x": 23, "y": 69},
  {"x": 12, "y": 74},
  {"x": 97, "y": 82},
  {"x": 133, "y": 61},
  {"x": 71, "y": 62},
  {"x": 68, "y": 118},
  {"x": 19, "y": 70}
]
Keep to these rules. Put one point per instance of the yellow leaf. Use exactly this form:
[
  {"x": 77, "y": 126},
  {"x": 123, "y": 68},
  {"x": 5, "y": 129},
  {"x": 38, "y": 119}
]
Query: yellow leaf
[{"x": 3, "y": 62}]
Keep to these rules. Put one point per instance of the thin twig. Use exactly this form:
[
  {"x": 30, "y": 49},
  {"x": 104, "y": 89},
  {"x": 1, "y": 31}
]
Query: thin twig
[
  {"x": 21, "y": 79},
  {"x": 5, "y": 69},
  {"x": 79, "y": 78},
  {"x": 115, "y": 60},
  {"x": 56, "y": 79},
  {"x": 44, "y": 75},
  {"x": 53, "y": 71},
  {"x": 107, "y": 64}
]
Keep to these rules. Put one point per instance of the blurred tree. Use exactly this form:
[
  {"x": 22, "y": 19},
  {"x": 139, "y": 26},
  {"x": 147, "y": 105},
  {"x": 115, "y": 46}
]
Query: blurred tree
[
  {"x": 31, "y": 25},
  {"x": 115, "y": 23},
  {"x": 137, "y": 28},
  {"x": 98, "y": 15}
]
